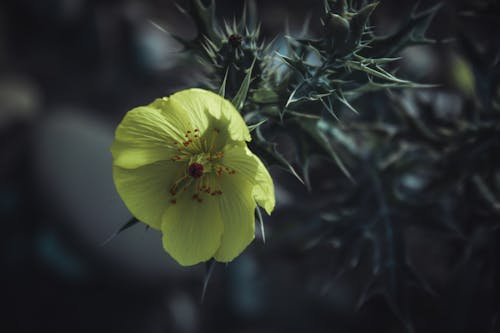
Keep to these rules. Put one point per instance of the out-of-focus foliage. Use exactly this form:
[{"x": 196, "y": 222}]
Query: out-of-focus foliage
[
  {"x": 378, "y": 157},
  {"x": 302, "y": 91}
]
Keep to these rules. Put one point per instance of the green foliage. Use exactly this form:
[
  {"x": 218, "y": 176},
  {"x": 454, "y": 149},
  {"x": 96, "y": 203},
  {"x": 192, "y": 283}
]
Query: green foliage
[
  {"x": 226, "y": 51},
  {"x": 401, "y": 160},
  {"x": 287, "y": 89}
]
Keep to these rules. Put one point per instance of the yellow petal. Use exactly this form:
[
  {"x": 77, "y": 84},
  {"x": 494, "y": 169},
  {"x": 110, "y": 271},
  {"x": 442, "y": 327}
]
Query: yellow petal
[
  {"x": 145, "y": 190},
  {"x": 239, "y": 158},
  {"x": 205, "y": 108},
  {"x": 237, "y": 209},
  {"x": 192, "y": 230},
  {"x": 146, "y": 135}
]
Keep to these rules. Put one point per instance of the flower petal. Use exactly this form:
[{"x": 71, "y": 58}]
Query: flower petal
[
  {"x": 244, "y": 162},
  {"x": 146, "y": 135},
  {"x": 145, "y": 190},
  {"x": 203, "y": 106},
  {"x": 237, "y": 209},
  {"x": 192, "y": 230}
]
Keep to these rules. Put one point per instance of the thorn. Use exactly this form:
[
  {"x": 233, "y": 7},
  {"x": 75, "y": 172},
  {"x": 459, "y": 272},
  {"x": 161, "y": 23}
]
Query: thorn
[
  {"x": 124, "y": 227},
  {"x": 209, "y": 268}
]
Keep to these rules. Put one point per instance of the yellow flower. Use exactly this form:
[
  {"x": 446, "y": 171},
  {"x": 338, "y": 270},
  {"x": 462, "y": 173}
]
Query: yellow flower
[{"x": 181, "y": 165}]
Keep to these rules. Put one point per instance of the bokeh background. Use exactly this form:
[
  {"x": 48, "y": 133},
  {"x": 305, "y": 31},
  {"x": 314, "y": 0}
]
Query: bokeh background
[{"x": 69, "y": 70}]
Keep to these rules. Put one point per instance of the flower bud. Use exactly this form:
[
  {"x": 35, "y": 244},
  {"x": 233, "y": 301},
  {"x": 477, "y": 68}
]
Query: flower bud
[{"x": 337, "y": 31}]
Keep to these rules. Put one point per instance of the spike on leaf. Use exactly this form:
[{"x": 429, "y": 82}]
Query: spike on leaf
[
  {"x": 241, "y": 95},
  {"x": 133, "y": 221},
  {"x": 209, "y": 268},
  {"x": 261, "y": 223}
]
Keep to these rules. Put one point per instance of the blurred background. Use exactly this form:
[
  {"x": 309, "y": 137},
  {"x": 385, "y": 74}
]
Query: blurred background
[{"x": 69, "y": 71}]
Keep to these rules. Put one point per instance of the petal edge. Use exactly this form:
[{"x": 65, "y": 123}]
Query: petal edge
[
  {"x": 192, "y": 234},
  {"x": 237, "y": 209}
]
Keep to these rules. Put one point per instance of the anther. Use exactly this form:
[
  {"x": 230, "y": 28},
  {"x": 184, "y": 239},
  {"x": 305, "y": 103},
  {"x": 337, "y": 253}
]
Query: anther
[
  {"x": 197, "y": 198},
  {"x": 173, "y": 191}
]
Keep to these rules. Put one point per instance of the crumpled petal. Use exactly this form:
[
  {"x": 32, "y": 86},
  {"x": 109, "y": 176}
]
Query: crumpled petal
[
  {"x": 206, "y": 108},
  {"x": 145, "y": 190},
  {"x": 239, "y": 158},
  {"x": 192, "y": 230},
  {"x": 147, "y": 134},
  {"x": 237, "y": 209}
]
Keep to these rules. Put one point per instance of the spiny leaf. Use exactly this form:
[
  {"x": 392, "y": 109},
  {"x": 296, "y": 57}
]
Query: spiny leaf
[
  {"x": 241, "y": 95},
  {"x": 278, "y": 159},
  {"x": 133, "y": 221},
  {"x": 329, "y": 107},
  {"x": 269, "y": 152},
  {"x": 376, "y": 61},
  {"x": 222, "y": 89},
  {"x": 297, "y": 94},
  {"x": 253, "y": 127},
  {"x": 357, "y": 26},
  {"x": 297, "y": 64},
  {"x": 210, "y": 48},
  {"x": 338, "y": 30},
  {"x": 411, "y": 33},
  {"x": 377, "y": 72},
  {"x": 308, "y": 90},
  {"x": 369, "y": 87},
  {"x": 340, "y": 96},
  {"x": 317, "y": 135}
]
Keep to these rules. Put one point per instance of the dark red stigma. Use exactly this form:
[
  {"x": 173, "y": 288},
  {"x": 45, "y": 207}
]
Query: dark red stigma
[{"x": 195, "y": 170}]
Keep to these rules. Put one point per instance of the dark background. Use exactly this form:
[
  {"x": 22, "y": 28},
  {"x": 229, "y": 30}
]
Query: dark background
[{"x": 69, "y": 70}]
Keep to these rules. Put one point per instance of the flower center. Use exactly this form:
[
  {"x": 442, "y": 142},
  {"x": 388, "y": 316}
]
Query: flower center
[
  {"x": 204, "y": 165},
  {"x": 235, "y": 40},
  {"x": 195, "y": 170}
]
